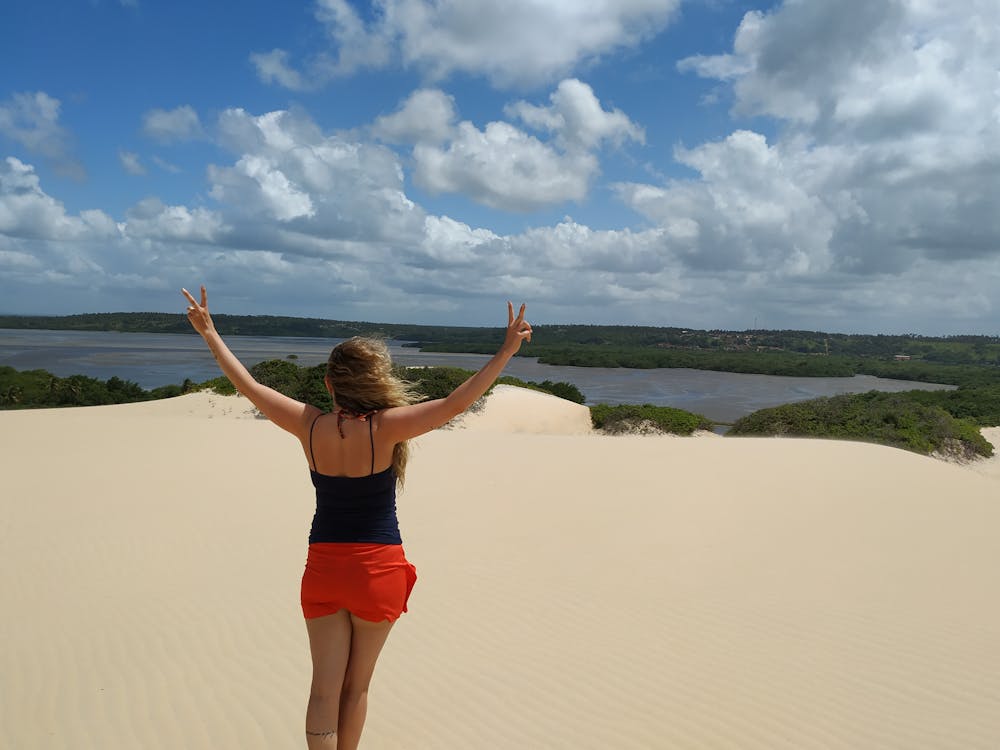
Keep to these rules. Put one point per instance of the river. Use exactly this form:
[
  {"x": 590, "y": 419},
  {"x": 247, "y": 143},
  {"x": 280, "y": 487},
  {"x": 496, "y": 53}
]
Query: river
[{"x": 153, "y": 360}]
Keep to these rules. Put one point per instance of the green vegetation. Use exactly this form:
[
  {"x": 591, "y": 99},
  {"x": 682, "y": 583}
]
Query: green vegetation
[
  {"x": 438, "y": 382},
  {"x": 40, "y": 388},
  {"x": 221, "y": 385},
  {"x": 980, "y": 405},
  {"x": 894, "y": 419},
  {"x": 630, "y": 418}
]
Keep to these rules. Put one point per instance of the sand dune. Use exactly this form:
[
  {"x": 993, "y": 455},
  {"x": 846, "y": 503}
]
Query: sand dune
[
  {"x": 575, "y": 591},
  {"x": 519, "y": 410}
]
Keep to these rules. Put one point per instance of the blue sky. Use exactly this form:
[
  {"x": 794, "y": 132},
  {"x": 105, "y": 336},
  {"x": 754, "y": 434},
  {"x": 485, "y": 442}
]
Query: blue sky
[{"x": 803, "y": 164}]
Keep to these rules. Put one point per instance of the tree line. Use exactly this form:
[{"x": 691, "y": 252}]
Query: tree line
[{"x": 586, "y": 345}]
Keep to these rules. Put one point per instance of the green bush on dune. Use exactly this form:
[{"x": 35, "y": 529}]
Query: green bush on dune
[
  {"x": 632, "y": 418},
  {"x": 40, "y": 388},
  {"x": 438, "y": 382},
  {"x": 888, "y": 418},
  {"x": 221, "y": 385},
  {"x": 434, "y": 382}
]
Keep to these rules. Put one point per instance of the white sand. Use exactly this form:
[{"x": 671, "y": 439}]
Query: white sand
[
  {"x": 519, "y": 410},
  {"x": 575, "y": 590}
]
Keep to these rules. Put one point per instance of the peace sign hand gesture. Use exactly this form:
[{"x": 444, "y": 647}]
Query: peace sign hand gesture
[
  {"x": 518, "y": 330},
  {"x": 198, "y": 314}
]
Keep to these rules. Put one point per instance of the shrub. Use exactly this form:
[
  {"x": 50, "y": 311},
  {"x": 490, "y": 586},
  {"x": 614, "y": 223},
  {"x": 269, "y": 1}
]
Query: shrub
[
  {"x": 631, "y": 418},
  {"x": 221, "y": 385},
  {"x": 893, "y": 419}
]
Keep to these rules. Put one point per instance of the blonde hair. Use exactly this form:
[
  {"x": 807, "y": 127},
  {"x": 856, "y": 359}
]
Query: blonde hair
[{"x": 361, "y": 374}]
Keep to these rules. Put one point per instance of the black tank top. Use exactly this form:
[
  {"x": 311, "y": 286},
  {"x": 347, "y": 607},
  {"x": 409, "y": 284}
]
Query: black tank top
[{"x": 354, "y": 509}]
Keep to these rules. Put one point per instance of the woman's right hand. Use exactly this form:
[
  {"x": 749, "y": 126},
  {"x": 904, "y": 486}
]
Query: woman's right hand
[{"x": 518, "y": 330}]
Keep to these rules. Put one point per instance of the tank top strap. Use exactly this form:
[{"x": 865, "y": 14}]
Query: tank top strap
[{"x": 311, "y": 456}]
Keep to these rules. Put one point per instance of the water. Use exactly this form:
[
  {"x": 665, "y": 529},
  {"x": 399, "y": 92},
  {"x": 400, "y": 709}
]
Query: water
[{"x": 153, "y": 360}]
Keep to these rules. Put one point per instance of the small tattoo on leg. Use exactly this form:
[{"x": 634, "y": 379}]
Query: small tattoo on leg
[{"x": 328, "y": 733}]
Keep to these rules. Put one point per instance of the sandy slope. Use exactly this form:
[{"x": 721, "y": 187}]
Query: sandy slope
[{"x": 576, "y": 591}]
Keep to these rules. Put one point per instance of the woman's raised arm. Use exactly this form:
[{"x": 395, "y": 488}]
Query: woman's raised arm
[
  {"x": 405, "y": 422},
  {"x": 287, "y": 413}
]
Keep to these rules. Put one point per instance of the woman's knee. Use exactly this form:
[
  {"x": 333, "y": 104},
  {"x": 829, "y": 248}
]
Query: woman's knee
[
  {"x": 324, "y": 695},
  {"x": 354, "y": 692}
]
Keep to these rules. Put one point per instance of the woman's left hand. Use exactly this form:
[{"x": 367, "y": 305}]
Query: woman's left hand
[{"x": 198, "y": 313}]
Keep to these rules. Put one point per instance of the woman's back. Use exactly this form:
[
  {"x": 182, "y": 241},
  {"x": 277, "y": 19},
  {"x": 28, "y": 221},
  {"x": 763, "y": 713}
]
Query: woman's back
[
  {"x": 346, "y": 445},
  {"x": 355, "y": 501}
]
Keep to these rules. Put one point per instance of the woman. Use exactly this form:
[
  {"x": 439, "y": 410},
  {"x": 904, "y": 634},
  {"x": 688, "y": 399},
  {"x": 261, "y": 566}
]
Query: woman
[{"x": 357, "y": 579}]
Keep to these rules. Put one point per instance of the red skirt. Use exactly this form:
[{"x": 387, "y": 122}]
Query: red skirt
[{"x": 372, "y": 581}]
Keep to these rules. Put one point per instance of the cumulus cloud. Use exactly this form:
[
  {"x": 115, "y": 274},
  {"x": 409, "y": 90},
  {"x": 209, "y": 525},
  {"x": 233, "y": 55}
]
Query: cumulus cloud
[
  {"x": 858, "y": 69},
  {"x": 324, "y": 187},
  {"x": 751, "y": 210},
  {"x": 885, "y": 160},
  {"x": 168, "y": 125},
  {"x": 577, "y": 118},
  {"x": 516, "y": 43},
  {"x": 32, "y": 120},
  {"x": 427, "y": 116},
  {"x": 152, "y": 219},
  {"x": 502, "y": 166},
  {"x": 453, "y": 242},
  {"x": 27, "y": 211}
]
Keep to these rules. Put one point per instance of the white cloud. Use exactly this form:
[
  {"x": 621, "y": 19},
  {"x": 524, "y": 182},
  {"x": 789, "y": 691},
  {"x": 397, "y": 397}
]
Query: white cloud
[
  {"x": 502, "y": 166},
  {"x": 17, "y": 261},
  {"x": 165, "y": 165},
  {"x": 751, "y": 210},
  {"x": 577, "y": 118},
  {"x": 427, "y": 116},
  {"x": 453, "y": 242},
  {"x": 325, "y": 188},
  {"x": 572, "y": 247},
  {"x": 131, "y": 163},
  {"x": 721, "y": 67},
  {"x": 265, "y": 180},
  {"x": 885, "y": 161},
  {"x": 27, "y": 211},
  {"x": 519, "y": 42},
  {"x": 178, "y": 124},
  {"x": 273, "y": 67},
  {"x": 32, "y": 120},
  {"x": 857, "y": 67},
  {"x": 358, "y": 46},
  {"x": 152, "y": 219}
]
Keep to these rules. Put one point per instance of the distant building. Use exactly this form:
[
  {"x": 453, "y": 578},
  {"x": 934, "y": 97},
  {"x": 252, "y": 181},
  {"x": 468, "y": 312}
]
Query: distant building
[{"x": 901, "y": 357}]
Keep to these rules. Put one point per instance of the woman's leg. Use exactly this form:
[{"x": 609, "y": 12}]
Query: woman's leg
[
  {"x": 330, "y": 644},
  {"x": 366, "y": 644}
]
